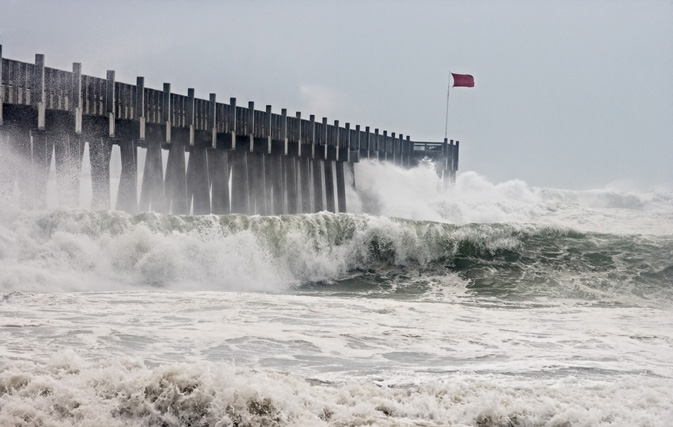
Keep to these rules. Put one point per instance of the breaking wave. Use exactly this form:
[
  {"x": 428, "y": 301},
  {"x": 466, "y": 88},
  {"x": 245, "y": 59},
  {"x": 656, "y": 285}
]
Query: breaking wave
[{"x": 83, "y": 250}]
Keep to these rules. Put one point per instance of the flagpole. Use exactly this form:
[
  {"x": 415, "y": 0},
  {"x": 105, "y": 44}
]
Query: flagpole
[{"x": 446, "y": 122}]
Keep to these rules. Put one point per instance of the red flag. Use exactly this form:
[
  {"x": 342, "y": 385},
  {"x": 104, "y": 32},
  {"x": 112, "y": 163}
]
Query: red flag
[{"x": 464, "y": 80}]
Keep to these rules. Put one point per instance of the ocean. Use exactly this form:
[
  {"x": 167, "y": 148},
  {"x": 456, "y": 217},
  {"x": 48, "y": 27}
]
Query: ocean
[{"x": 481, "y": 304}]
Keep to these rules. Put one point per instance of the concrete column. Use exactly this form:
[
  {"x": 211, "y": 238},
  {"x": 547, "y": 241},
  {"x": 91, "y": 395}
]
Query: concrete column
[
  {"x": 2, "y": 99},
  {"x": 8, "y": 165},
  {"x": 290, "y": 163},
  {"x": 42, "y": 151},
  {"x": 329, "y": 186},
  {"x": 341, "y": 186},
  {"x": 68, "y": 150},
  {"x": 368, "y": 143},
  {"x": 274, "y": 180},
  {"x": 99, "y": 156},
  {"x": 257, "y": 179},
  {"x": 410, "y": 152},
  {"x": 176, "y": 177},
  {"x": 376, "y": 145},
  {"x": 152, "y": 190},
  {"x": 127, "y": 196},
  {"x": 219, "y": 172},
  {"x": 317, "y": 173},
  {"x": 198, "y": 188},
  {"x": 305, "y": 185},
  {"x": 455, "y": 161},
  {"x": 240, "y": 202}
]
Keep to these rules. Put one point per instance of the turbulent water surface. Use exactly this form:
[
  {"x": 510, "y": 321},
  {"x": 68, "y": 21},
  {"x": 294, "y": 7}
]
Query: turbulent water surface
[{"x": 479, "y": 305}]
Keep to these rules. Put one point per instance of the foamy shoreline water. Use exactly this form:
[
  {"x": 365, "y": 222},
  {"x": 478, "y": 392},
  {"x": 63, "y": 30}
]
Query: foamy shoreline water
[
  {"x": 486, "y": 305},
  {"x": 69, "y": 391},
  {"x": 199, "y": 358}
]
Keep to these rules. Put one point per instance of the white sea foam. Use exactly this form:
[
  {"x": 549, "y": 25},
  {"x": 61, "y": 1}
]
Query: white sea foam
[
  {"x": 418, "y": 194},
  {"x": 188, "y": 358},
  {"x": 68, "y": 391}
]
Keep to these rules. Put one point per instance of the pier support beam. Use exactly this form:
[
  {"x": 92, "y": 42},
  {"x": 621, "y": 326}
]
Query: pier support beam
[
  {"x": 329, "y": 186},
  {"x": 240, "y": 202},
  {"x": 317, "y": 173},
  {"x": 290, "y": 163},
  {"x": 99, "y": 156},
  {"x": 219, "y": 171},
  {"x": 305, "y": 183},
  {"x": 127, "y": 196},
  {"x": 198, "y": 188},
  {"x": 152, "y": 195},
  {"x": 176, "y": 177},
  {"x": 256, "y": 166},
  {"x": 68, "y": 151},
  {"x": 22, "y": 155},
  {"x": 274, "y": 181},
  {"x": 7, "y": 161},
  {"x": 42, "y": 150},
  {"x": 341, "y": 186}
]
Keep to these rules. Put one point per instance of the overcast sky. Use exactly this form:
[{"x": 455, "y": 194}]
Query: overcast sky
[{"x": 568, "y": 94}]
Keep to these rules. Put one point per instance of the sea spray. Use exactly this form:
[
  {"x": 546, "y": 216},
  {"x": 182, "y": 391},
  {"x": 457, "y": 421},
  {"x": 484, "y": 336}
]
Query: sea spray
[{"x": 418, "y": 194}]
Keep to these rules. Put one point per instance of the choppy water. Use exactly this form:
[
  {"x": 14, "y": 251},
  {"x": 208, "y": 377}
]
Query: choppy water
[{"x": 482, "y": 305}]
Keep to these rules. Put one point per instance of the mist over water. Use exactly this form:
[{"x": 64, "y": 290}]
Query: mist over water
[
  {"x": 476, "y": 303},
  {"x": 418, "y": 194}
]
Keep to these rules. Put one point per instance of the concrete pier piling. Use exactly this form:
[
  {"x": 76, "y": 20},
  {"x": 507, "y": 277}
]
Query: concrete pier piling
[{"x": 220, "y": 158}]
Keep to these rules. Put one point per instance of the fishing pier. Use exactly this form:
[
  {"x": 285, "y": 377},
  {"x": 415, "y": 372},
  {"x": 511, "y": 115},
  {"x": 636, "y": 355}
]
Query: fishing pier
[{"x": 221, "y": 158}]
